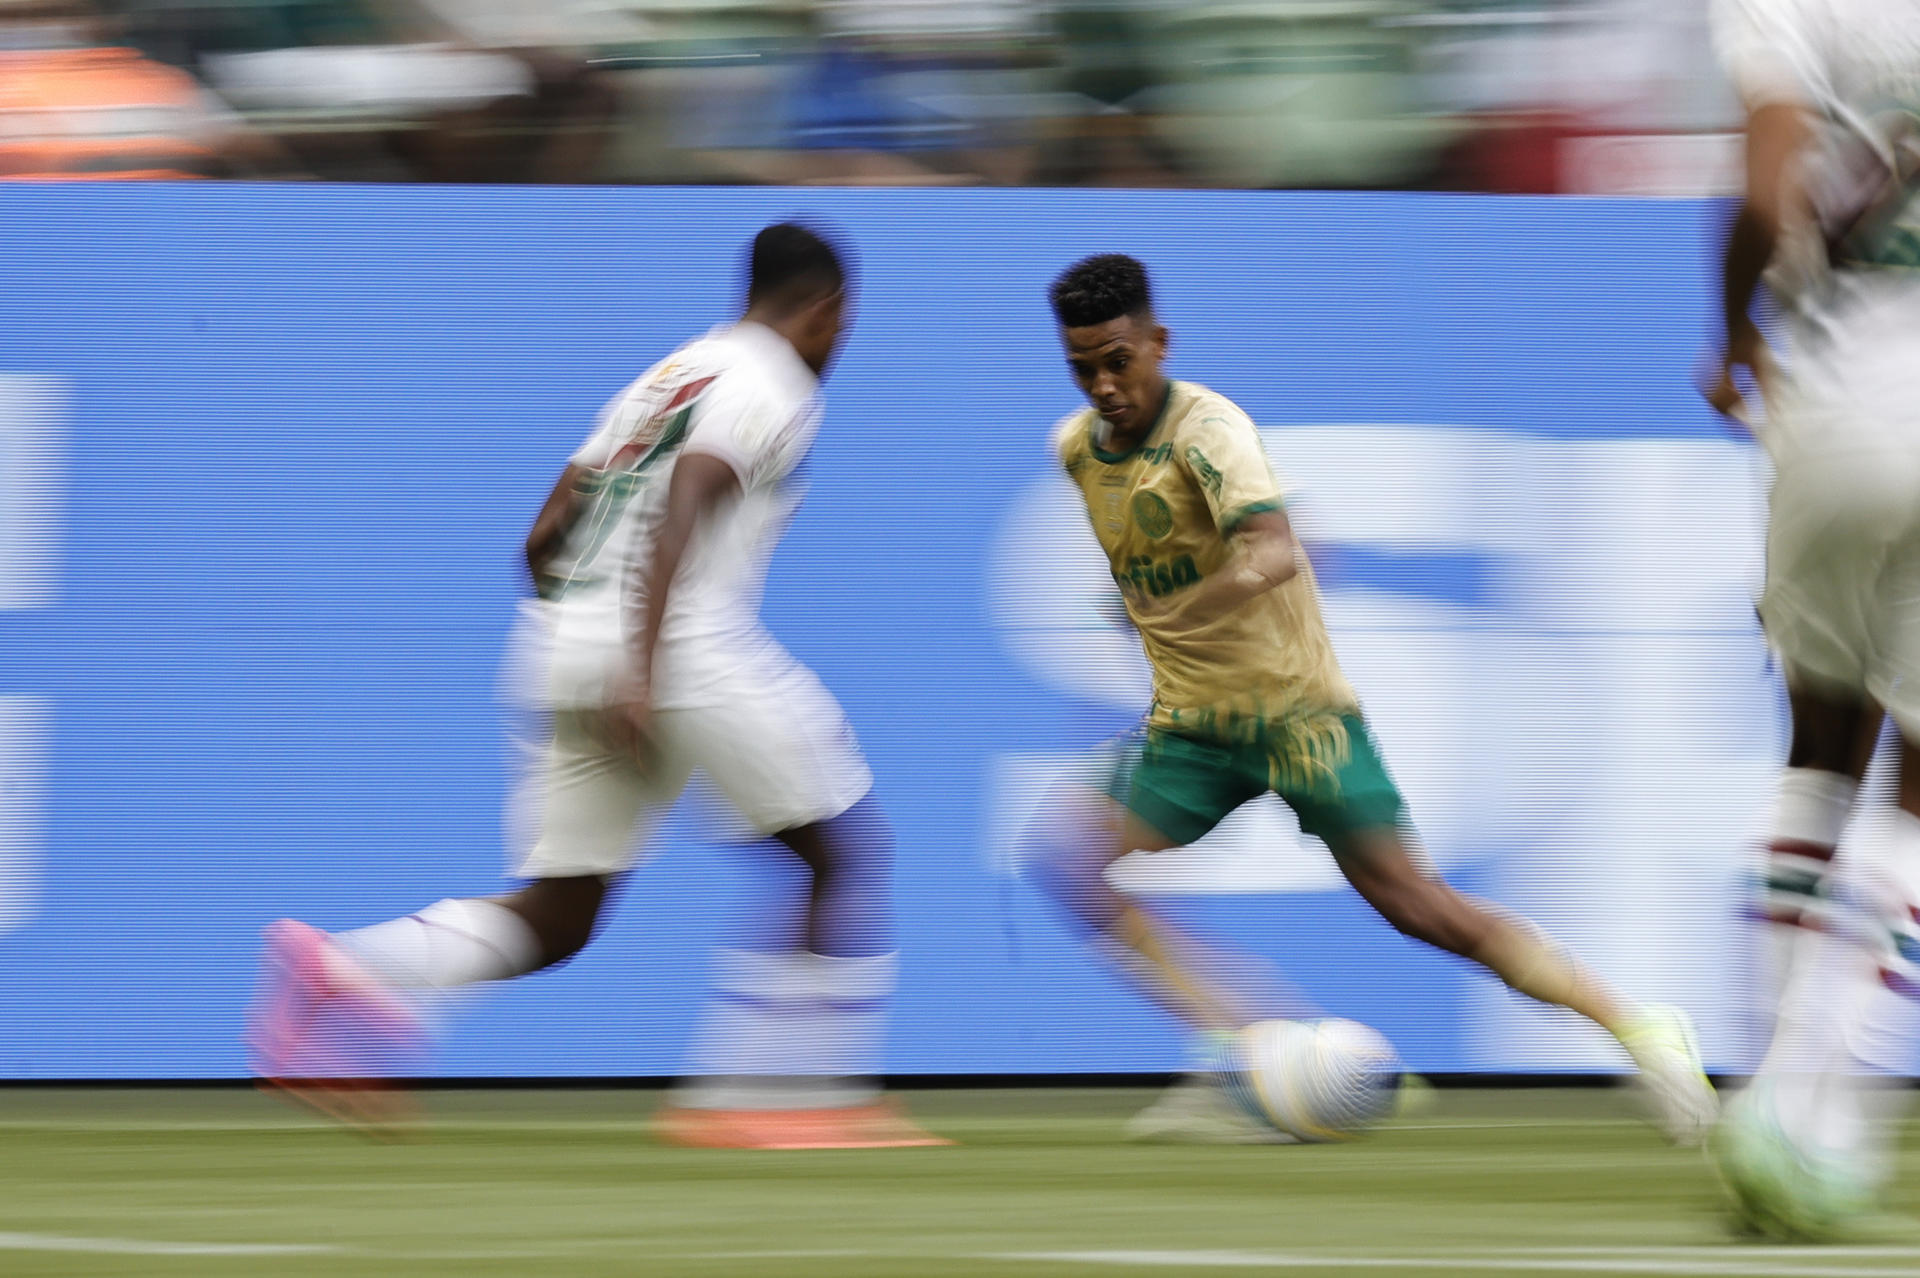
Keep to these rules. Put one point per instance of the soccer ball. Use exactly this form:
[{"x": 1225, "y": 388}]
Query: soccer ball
[{"x": 1322, "y": 1080}]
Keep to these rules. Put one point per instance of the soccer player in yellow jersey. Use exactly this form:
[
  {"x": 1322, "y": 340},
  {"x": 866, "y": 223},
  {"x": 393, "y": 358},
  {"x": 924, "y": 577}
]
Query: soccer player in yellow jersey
[{"x": 1249, "y": 697}]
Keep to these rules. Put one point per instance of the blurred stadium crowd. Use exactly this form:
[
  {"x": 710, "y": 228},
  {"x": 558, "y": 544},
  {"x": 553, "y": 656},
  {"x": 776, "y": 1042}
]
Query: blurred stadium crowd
[{"x": 1606, "y": 96}]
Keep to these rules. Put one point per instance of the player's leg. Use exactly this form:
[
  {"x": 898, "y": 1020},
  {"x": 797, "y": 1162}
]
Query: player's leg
[
  {"x": 1834, "y": 729},
  {"x": 468, "y": 940},
  {"x": 1806, "y": 1146},
  {"x": 592, "y": 806},
  {"x": 1849, "y": 1024},
  {"x": 339, "y": 1005},
  {"x": 1344, "y": 795},
  {"x": 1899, "y": 902},
  {"x": 339, "y": 1014},
  {"x": 1841, "y": 609},
  {"x": 1835, "y": 518},
  {"x": 848, "y": 859},
  {"x": 1866, "y": 1095},
  {"x": 1808, "y": 939},
  {"x": 1395, "y": 881},
  {"x": 790, "y": 1044},
  {"x": 1893, "y": 678},
  {"x": 1164, "y": 791}
]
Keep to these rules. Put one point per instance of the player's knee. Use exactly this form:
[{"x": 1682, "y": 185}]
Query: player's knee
[
  {"x": 561, "y": 913},
  {"x": 858, "y": 843},
  {"x": 850, "y": 857},
  {"x": 561, "y": 940},
  {"x": 1829, "y": 723},
  {"x": 1069, "y": 865},
  {"x": 855, "y": 847}
]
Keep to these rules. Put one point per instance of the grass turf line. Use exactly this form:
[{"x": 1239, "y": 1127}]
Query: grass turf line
[{"x": 105, "y": 1182}]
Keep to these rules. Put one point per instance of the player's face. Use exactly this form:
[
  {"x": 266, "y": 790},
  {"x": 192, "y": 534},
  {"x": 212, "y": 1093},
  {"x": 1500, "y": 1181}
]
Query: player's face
[{"x": 1117, "y": 367}]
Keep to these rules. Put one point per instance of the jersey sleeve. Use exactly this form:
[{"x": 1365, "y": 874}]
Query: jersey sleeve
[
  {"x": 1771, "y": 51},
  {"x": 1066, "y": 442},
  {"x": 744, "y": 428},
  {"x": 1220, "y": 448}
]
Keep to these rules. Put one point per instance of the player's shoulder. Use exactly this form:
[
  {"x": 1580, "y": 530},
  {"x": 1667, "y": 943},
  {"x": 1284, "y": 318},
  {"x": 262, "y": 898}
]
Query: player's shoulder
[
  {"x": 1072, "y": 438},
  {"x": 756, "y": 364},
  {"x": 718, "y": 362},
  {"x": 1201, "y": 410},
  {"x": 685, "y": 363},
  {"x": 1774, "y": 49},
  {"x": 719, "y": 370},
  {"x": 670, "y": 384}
]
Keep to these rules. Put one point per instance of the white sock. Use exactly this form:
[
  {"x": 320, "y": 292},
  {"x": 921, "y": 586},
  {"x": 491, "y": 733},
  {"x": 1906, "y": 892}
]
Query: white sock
[
  {"x": 449, "y": 943},
  {"x": 789, "y": 1030},
  {"x": 1810, "y": 809},
  {"x": 748, "y": 1041},
  {"x": 846, "y": 1023}
]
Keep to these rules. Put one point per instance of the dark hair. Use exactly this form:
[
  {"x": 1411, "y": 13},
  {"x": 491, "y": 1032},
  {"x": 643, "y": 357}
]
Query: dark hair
[
  {"x": 790, "y": 263},
  {"x": 1097, "y": 289}
]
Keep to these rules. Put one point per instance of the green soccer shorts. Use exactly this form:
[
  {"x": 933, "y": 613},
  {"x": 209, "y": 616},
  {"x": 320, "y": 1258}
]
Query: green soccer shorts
[{"x": 1183, "y": 785}]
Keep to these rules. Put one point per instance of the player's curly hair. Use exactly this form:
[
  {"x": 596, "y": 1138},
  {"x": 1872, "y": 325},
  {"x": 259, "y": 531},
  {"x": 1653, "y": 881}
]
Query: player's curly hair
[{"x": 1101, "y": 288}]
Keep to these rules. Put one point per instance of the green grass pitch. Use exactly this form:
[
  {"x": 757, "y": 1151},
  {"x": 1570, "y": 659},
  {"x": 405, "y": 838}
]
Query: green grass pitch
[{"x": 217, "y": 1183}]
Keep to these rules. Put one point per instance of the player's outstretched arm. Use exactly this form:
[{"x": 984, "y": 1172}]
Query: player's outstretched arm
[{"x": 1265, "y": 555}]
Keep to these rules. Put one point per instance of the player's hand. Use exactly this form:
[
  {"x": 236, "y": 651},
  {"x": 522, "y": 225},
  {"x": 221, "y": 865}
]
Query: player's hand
[
  {"x": 1746, "y": 350},
  {"x": 628, "y": 721},
  {"x": 633, "y": 724}
]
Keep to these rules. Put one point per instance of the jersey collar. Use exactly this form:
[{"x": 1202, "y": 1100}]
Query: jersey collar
[
  {"x": 1093, "y": 439},
  {"x": 776, "y": 353}
]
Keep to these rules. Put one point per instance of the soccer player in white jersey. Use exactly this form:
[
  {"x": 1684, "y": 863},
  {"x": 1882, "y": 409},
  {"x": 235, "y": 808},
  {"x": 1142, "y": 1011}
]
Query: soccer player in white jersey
[
  {"x": 1831, "y": 221},
  {"x": 648, "y": 559}
]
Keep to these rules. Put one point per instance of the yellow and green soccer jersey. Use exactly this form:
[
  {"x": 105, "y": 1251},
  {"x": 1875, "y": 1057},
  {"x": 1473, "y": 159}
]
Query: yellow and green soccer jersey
[{"x": 1164, "y": 513}]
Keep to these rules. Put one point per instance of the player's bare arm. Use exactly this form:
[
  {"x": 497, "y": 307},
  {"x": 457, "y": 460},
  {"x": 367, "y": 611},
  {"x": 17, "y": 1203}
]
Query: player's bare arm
[
  {"x": 553, "y": 523},
  {"x": 1776, "y": 132},
  {"x": 700, "y": 482},
  {"x": 1266, "y": 555}
]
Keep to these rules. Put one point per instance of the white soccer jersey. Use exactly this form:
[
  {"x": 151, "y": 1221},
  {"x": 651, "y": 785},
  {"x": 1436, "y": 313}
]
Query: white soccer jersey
[
  {"x": 1852, "y": 281},
  {"x": 741, "y": 394}
]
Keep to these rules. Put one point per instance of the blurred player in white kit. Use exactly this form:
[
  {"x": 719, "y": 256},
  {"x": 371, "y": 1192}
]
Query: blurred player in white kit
[
  {"x": 648, "y": 560},
  {"x": 1832, "y": 222}
]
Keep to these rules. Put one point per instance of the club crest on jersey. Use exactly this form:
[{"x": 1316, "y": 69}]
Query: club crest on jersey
[
  {"x": 662, "y": 428},
  {"x": 1151, "y": 513}
]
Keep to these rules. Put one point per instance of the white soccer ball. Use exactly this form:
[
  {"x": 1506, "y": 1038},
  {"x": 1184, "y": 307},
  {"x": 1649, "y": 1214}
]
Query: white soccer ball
[{"x": 1316, "y": 1081}]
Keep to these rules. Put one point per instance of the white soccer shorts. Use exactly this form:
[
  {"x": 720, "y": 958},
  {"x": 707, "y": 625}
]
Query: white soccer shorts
[
  {"x": 1842, "y": 599},
  {"x": 774, "y": 742}
]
